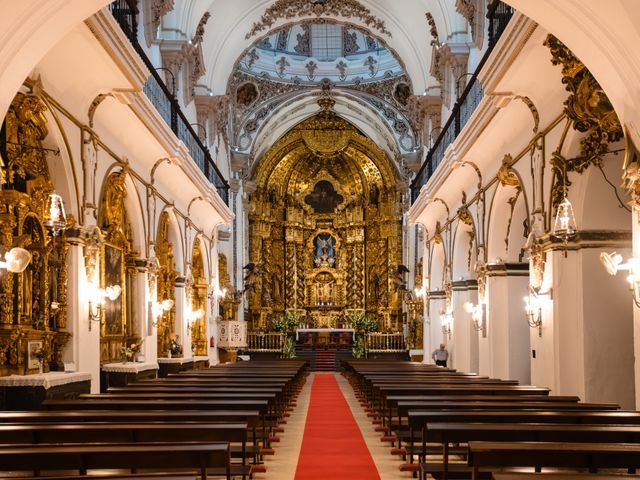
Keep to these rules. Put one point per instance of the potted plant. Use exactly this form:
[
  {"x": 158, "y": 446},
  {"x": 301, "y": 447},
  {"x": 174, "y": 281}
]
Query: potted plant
[
  {"x": 286, "y": 324},
  {"x": 362, "y": 324}
]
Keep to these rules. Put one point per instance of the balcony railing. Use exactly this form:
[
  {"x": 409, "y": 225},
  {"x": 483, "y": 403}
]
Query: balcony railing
[
  {"x": 385, "y": 342},
  {"x": 125, "y": 12},
  {"x": 499, "y": 15}
]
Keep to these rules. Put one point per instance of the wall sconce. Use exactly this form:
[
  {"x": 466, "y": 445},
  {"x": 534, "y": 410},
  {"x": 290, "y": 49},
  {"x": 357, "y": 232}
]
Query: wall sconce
[
  {"x": 16, "y": 260},
  {"x": 215, "y": 292},
  {"x": 564, "y": 227},
  {"x": 613, "y": 263},
  {"x": 97, "y": 299},
  {"x": 55, "y": 218},
  {"x": 192, "y": 317},
  {"x": 159, "y": 308},
  {"x": 478, "y": 314},
  {"x": 446, "y": 318},
  {"x": 533, "y": 305},
  {"x": 420, "y": 292}
]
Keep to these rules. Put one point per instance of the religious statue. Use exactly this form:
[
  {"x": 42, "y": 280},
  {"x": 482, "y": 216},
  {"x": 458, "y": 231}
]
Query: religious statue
[{"x": 325, "y": 255}]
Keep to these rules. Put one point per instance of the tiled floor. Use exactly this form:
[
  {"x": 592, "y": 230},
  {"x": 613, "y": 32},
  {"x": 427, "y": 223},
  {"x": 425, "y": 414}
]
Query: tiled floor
[{"x": 282, "y": 465}]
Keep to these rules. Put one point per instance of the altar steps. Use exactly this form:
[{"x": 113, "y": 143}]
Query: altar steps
[{"x": 325, "y": 361}]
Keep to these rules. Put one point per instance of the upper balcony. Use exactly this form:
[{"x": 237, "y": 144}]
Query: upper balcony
[
  {"x": 126, "y": 14},
  {"x": 499, "y": 15}
]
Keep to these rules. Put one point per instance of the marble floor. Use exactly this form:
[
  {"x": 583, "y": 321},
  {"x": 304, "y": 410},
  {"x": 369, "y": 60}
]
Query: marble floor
[{"x": 282, "y": 465}]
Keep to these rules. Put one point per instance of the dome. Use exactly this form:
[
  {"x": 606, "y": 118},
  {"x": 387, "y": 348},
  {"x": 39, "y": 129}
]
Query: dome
[{"x": 308, "y": 53}]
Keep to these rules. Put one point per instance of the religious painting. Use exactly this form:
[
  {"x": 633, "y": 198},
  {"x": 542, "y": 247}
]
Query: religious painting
[
  {"x": 32, "y": 348},
  {"x": 113, "y": 271},
  {"x": 324, "y": 198},
  {"x": 246, "y": 94}
]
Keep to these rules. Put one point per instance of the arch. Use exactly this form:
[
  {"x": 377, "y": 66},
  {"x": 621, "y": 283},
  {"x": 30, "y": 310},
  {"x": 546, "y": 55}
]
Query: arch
[
  {"x": 226, "y": 40},
  {"x": 586, "y": 28},
  {"x": 464, "y": 251},
  {"x": 356, "y": 108},
  {"x": 174, "y": 235},
  {"x": 507, "y": 225},
  {"x": 28, "y": 30}
]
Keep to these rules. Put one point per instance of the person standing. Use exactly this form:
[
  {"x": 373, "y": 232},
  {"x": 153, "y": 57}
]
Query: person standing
[{"x": 440, "y": 356}]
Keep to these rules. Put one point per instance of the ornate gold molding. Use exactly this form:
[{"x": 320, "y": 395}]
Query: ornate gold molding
[
  {"x": 305, "y": 8},
  {"x": 588, "y": 107}
]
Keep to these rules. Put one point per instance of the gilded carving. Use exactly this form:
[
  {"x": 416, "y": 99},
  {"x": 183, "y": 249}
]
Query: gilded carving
[
  {"x": 506, "y": 176},
  {"x": 587, "y": 106},
  {"x": 165, "y": 281},
  {"x": 114, "y": 254},
  {"x": 463, "y": 212},
  {"x": 320, "y": 252},
  {"x": 302, "y": 8},
  {"x": 32, "y": 303}
]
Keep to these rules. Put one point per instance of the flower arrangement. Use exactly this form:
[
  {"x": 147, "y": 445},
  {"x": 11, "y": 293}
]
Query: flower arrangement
[
  {"x": 286, "y": 323},
  {"x": 359, "y": 348},
  {"x": 289, "y": 348},
  {"x": 129, "y": 353},
  {"x": 42, "y": 354},
  {"x": 362, "y": 323}
]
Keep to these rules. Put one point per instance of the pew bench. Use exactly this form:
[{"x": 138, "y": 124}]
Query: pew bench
[
  {"x": 592, "y": 456},
  {"x": 448, "y": 433},
  {"x": 203, "y": 458}
]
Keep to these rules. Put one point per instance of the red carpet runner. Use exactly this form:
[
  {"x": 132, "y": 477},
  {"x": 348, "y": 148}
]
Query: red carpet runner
[{"x": 332, "y": 446}]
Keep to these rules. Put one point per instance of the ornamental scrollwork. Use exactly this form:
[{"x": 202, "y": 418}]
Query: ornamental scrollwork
[
  {"x": 588, "y": 107},
  {"x": 303, "y": 8}
]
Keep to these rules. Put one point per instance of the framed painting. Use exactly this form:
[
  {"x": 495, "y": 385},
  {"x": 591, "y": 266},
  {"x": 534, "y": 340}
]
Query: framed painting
[
  {"x": 113, "y": 271},
  {"x": 32, "y": 347}
]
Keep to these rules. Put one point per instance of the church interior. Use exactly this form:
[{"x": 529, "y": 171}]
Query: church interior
[{"x": 310, "y": 239}]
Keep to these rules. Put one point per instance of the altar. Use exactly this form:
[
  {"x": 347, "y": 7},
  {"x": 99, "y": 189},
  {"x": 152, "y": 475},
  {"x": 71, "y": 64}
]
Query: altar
[{"x": 312, "y": 338}]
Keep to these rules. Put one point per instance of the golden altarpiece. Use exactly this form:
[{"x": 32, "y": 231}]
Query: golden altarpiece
[
  {"x": 325, "y": 227},
  {"x": 117, "y": 267},
  {"x": 164, "y": 280},
  {"x": 198, "y": 298},
  {"x": 33, "y": 304}
]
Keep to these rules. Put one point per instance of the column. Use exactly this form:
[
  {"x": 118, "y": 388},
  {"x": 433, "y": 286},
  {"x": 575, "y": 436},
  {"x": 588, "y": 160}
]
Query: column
[
  {"x": 504, "y": 353},
  {"x": 463, "y": 347},
  {"x": 181, "y": 324},
  {"x": 84, "y": 347}
]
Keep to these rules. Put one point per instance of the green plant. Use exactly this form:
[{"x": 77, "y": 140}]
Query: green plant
[
  {"x": 362, "y": 323},
  {"x": 285, "y": 323},
  {"x": 359, "y": 348},
  {"x": 289, "y": 348}
]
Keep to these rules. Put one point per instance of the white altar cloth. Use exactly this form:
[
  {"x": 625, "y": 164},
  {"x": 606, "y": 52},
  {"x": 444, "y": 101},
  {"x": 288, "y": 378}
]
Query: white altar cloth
[
  {"x": 129, "y": 367},
  {"x": 46, "y": 380}
]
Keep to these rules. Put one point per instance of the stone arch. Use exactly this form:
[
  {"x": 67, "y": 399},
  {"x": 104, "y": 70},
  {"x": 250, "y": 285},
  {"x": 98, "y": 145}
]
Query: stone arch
[{"x": 507, "y": 227}]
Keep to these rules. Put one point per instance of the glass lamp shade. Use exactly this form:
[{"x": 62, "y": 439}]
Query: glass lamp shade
[
  {"x": 16, "y": 260},
  {"x": 55, "y": 216},
  {"x": 564, "y": 226},
  {"x": 112, "y": 292}
]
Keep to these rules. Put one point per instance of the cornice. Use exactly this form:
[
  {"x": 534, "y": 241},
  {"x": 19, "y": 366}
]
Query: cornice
[
  {"x": 107, "y": 31},
  {"x": 509, "y": 46}
]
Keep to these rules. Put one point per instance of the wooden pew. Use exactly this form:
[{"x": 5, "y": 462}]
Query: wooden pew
[
  {"x": 562, "y": 476},
  {"x": 121, "y": 433},
  {"x": 447, "y": 433},
  {"x": 552, "y": 454},
  {"x": 164, "y": 456}
]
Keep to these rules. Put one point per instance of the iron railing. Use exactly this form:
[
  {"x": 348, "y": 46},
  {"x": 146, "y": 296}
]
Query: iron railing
[
  {"x": 499, "y": 15},
  {"x": 125, "y": 12}
]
